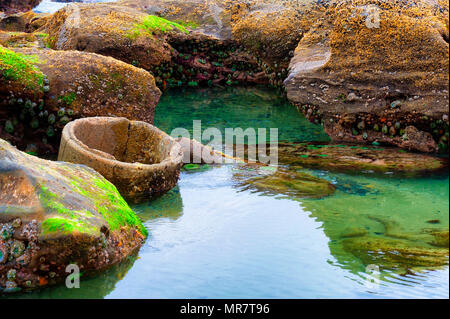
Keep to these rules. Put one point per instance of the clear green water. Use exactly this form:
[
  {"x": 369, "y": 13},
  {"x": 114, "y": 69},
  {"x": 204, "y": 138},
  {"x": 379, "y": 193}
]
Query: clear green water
[{"x": 210, "y": 238}]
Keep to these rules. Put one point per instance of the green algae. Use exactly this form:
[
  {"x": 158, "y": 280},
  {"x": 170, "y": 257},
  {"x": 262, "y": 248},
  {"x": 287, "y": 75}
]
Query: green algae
[
  {"x": 68, "y": 99},
  {"x": 98, "y": 195},
  {"x": 20, "y": 67}
]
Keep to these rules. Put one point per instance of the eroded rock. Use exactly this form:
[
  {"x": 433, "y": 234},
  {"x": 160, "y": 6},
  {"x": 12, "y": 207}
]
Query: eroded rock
[
  {"x": 139, "y": 159},
  {"x": 53, "y": 214}
]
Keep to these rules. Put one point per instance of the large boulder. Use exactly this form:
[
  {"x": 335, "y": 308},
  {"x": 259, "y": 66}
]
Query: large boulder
[
  {"x": 76, "y": 84},
  {"x": 212, "y": 18},
  {"x": 357, "y": 158},
  {"x": 108, "y": 29},
  {"x": 9, "y": 6},
  {"x": 370, "y": 69},
  {"x": 53, "y": 214}
]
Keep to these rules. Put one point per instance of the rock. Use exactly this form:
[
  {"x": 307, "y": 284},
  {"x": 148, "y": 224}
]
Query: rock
[
  {"x": 398, "y": 67},
  {"x": 22, "y": 39},
  {"x": 10, "y": 6},
  {"x": 276, "y": 181},
  {"x": 68, "y": 214},
  {"x": 23, "y": 22},
  {"x": 19, "y": 75},
  {"x": 139, "y": 159},
  {"x": 362, "y": 232},
  {"x": 183, "y": 51},
  {"x": 338, "y": 157},
  {"x": 75, "y": 85},
  {"x": 211, "y": 18},
  {"x": 394, "y": 253},
  {"x": 93, "y": 85},
  {"x": 416, "y": 140},
  {"x": 111, "y": 30},
  {"x": 195, "y": 152}
]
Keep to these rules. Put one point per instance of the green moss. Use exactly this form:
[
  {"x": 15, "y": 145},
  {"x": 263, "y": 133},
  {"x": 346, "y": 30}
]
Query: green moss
[
  {"x": 123, "y": 214},
  {"x": 20, "y": 67},
  {"x": 152, "y": 25}
]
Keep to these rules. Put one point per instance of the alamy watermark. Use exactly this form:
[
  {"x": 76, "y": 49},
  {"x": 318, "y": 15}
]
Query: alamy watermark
[{"x": 73, "y": 279}]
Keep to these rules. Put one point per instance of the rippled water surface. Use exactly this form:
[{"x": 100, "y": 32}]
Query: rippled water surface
[{"x": 212, "y": 238}]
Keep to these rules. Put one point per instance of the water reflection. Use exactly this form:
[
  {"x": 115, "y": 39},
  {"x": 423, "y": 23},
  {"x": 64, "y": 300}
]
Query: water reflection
[{"x": 169, "y": 205}]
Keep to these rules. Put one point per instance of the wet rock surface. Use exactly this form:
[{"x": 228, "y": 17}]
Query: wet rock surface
[
  {"x": 53, "y": 214},
  {"x": 178, "y": 51},
  {"x": 107, "y": 29},
  {"x": 140, "y": 160}
]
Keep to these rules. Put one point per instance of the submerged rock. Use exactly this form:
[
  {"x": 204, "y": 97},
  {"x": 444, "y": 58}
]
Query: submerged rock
[
  {"x": 275, "y": 181},
  {"x": 139, "y": 159},
  {"x": 395, "y": 253},
  {"x": 53, "y": 214},
  {"x": 391, "y": 233},
  {"x": 23, "y": 22}
]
